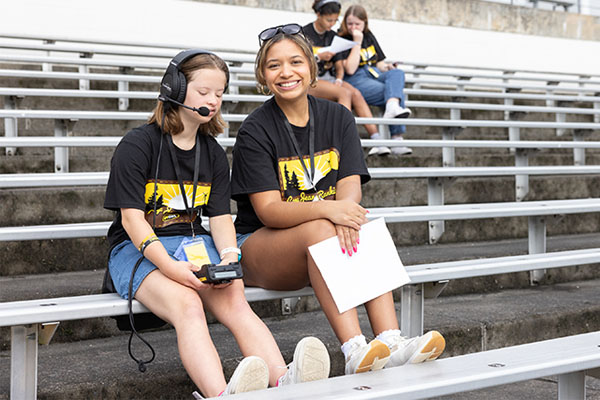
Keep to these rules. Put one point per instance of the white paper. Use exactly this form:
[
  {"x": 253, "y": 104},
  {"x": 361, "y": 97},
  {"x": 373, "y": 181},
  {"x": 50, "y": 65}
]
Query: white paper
[
  {"x": 338, "y": 44},
  {"x": 373, "y": 270}
]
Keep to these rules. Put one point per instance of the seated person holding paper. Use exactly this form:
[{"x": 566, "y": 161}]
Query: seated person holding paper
[
  {"x": 330, "y": 84},
  {"x": 163, "y": 175},
  {"x": 380, "y": 82},
  {"x": 296, "y": 177}
]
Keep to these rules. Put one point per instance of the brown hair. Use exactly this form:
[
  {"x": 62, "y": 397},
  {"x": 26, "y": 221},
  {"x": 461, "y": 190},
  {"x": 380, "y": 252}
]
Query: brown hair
[
  {"x": 172, "y": 121},
  {"x": 360, "y": 13},
  {"x": 261, "y": 57}
]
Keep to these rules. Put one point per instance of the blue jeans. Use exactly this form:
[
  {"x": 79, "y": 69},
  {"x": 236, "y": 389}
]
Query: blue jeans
[{"x": 377, "y": 91}]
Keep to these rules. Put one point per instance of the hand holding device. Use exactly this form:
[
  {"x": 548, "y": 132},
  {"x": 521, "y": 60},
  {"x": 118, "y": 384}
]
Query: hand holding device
[{"x": 217, "y": 274}]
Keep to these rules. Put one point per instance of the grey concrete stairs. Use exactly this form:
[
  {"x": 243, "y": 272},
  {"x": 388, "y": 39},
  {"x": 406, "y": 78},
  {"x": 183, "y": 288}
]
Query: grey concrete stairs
[{"x": 88, "y": 359}]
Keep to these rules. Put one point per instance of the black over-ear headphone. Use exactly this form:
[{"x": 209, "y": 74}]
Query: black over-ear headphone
[{"x": 173, "y": 85}]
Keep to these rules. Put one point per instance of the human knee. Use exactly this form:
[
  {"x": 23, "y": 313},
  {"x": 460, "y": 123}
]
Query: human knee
[
  {"x": 344, "y": 95},
  {"x": 234, "y": 304},
  {"x": 319, "y": 230},
  {"x": 187, "y": 306}
]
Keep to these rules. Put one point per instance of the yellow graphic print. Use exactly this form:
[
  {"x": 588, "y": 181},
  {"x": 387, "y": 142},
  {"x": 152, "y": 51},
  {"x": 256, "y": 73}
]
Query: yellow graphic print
[
  {"x": 170, "y": 207},
  {"x": 293, "y": 180},
  {"x": 367, "y": 54}
]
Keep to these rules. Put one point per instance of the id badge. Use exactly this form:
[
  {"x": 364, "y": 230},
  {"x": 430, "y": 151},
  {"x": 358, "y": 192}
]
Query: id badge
[
  {"x": 194, "y": 251},
  {"x": 373, "y": 72}
]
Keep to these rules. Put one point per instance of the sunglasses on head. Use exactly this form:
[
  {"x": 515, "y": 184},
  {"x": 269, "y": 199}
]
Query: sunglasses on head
[{"x": 287, "y": 29}]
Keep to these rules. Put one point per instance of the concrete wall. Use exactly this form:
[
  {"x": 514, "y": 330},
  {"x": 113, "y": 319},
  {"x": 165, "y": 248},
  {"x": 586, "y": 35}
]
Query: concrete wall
[
  {"x": 472, "y": 14},
  {"x": 218, "y": 25}
]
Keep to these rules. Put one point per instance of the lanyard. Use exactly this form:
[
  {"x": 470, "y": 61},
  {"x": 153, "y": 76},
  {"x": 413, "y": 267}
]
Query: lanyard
[
  {"x": 311, "y": 146},
  {"x": 189, "y": 210}
]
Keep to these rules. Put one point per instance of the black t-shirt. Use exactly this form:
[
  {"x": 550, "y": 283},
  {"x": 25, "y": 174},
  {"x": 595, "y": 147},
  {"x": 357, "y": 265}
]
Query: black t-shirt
[
  {"x": 370, "y": 51},
  {"x": 264, "y": 158},
  {"x": 318, "y": 41},
  {"x": 131, "y": 183}
]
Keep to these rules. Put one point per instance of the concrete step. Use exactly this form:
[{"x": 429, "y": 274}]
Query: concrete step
[
  {"x": 31, "y": 206},
  {"x": 59, "y": 284},
  {"x": 470, "y": 323}
]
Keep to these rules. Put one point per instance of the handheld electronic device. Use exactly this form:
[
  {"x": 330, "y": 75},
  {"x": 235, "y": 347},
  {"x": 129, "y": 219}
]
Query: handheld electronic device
[{"x": 211, "y": 273}]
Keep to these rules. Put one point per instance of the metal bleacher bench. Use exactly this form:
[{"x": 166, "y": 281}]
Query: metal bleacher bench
[
  {"x": 438, "y": 178},
  {"x": 571, "y": 358},
  {"x": 64, "y": 120},
  {"x": 28, "y": 319}
]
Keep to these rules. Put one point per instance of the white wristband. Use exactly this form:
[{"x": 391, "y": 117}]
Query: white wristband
[{"x": 231, "y": 250}]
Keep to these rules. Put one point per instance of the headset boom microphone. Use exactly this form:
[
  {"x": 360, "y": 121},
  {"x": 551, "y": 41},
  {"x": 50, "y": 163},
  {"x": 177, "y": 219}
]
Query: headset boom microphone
[{"x": 203, "y": 111}]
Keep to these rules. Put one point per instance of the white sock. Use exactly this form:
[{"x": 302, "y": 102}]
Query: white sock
[
  {"x": 394, "y": 100},
  {"x": 376, "y": 135},
  {"x": 398, "y": 137},
  {"x": 385, "y": 336},
  {"x": 358, "y": 339}
]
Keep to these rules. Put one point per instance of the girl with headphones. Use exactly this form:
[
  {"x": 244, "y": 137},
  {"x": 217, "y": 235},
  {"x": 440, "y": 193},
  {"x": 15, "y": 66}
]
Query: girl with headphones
[
  {"x": 296, "y": 176},
  {"x": 330, "y": 84},
  {"x": 164, "y": 175}
]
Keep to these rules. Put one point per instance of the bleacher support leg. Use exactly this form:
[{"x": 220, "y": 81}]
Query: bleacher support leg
[
  {"x": 84, "y": 84},
  {"x": 123, "y": 86},
  {"x": 571, "y": 386},
  {"x": 435, "y": 197},
  {"x": 597, "y": 107},
  {"x": 579, "y": 153},
  {"x": 537, "y": 245},
  {"x": 11, "y": 126},
  {"x": 448, "y": 153},
  {"x": 514, "y": 135},
  {"x": 521, "y": 181},
  {"x": 62, "y": 128},
  {"x": 561, "y": 118},
  {"x": 23, "y": 362},
  {"x": 411, "y": 310}
]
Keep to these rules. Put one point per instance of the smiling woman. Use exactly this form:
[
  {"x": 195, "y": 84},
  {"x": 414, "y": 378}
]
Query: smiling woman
[
  {"x": 297, "y": 172},
  {"x": 164, "y": 176}
]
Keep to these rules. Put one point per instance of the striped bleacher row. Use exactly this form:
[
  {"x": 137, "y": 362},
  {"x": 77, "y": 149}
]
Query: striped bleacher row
[{"x": 26, "y": 318}]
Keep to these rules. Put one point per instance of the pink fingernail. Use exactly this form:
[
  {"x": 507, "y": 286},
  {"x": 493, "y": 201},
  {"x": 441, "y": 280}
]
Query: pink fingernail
[
  {"x": 357, "y": 241},
  {"x": 354, "y": 248},
  {"x": 343, "y": 251}
]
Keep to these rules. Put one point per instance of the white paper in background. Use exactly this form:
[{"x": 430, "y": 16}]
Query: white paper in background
[
  {"x": 338, "y": 44},
  {"x": 373, "y": 270}
]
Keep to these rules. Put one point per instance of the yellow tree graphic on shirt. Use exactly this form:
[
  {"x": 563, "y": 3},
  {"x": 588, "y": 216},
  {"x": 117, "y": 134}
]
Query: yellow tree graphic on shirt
[
  {"x": 170, "y": 207},
  {"x": 293, "y": 180}
]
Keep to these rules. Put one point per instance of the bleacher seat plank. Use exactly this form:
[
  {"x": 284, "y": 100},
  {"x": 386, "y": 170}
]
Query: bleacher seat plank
[{"x": 563, "y": 356}]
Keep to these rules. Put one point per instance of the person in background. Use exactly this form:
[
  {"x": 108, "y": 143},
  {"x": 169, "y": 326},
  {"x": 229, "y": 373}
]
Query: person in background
[
  {"x": 163, "y": 175},
  {"x": 330, "y": 84},
  {"x": 296, "y": 177},
  {"x": 380, "y": 83}
]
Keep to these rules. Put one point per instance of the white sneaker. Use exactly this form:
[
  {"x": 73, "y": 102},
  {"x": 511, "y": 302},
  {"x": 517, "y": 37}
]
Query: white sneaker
[
  {"x": 415, "y": 350},
  {"x": 380, "y": 151},
  {"x": 370, "y": 357},
  {"x": 401, "y": 150},
  {"x": 310, "y": 363},
  {"x": 252, "y": 373},
  {"x": 395, "y": 110}
]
